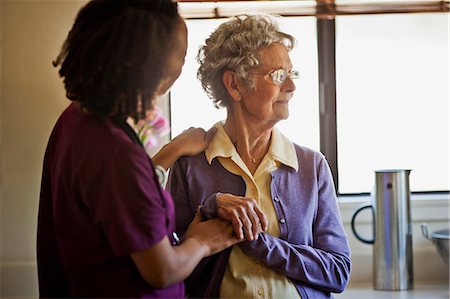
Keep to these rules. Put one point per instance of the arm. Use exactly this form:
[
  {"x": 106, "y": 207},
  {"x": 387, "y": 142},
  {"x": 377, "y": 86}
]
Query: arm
[
  {"x": 134, "y": 215},
  {"x": 322, "y": 269},
  {"x": 163, "y": 264},
  {"x": 325, "y": 262}
]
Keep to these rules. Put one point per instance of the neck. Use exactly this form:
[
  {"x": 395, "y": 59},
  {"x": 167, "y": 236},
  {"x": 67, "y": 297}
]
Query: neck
[{"x": 251, "y": 140}]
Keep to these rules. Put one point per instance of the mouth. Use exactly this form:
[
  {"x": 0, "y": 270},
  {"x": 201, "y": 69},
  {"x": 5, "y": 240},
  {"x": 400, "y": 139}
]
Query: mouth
[{"x": 282, "y": 101}]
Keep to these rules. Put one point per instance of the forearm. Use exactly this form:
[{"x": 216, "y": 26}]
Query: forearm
[
  {"x": 185, "y": 258},
  {"x": 325, "y": 270},
  {"x": 163, "y": 264},
  {"x": 167, "y": 155}
]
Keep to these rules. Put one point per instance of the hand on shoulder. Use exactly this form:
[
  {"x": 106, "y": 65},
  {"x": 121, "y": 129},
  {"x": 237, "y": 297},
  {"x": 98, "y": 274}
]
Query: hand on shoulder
[
  {"x": 189, "y": 143},
  {"x": 193, "y": 141}
]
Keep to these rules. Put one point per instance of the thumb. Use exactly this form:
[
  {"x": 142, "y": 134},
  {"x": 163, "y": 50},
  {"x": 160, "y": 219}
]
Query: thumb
[
  {"x": 210, "y": 134},
  {"x": 197, "y": 218}
]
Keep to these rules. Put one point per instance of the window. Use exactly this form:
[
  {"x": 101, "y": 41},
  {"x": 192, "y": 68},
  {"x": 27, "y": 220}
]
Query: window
[
  {"x": 392, "y": 78},
  {"x": 392, "y": 88},
  {"x": 191, "y": 107}
]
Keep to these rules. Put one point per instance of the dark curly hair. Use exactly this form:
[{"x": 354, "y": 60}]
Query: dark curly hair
[{"x": 113, "y": 58}]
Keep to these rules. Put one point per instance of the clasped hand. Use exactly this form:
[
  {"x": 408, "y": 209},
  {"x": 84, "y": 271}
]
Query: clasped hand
[{"x": 244, "y": 213}]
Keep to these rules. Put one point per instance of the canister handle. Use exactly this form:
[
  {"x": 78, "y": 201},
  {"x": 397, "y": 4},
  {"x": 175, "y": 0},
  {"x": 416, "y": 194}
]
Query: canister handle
[
  {"x": 357, "y": 235},
  {"x": 425, "y": 233}
]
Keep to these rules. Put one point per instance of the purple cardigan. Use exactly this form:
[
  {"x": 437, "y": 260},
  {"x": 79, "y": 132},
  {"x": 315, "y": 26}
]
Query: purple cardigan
[{"x": 312, "y": 250}]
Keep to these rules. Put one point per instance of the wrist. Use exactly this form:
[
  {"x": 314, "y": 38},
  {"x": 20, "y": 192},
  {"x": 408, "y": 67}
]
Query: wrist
[
  {"x": 175, "y": 148},
  {"x": 166, "y": 156},
  {"x": 209, "y": 207},
  {"x": 200, "y": 247}
]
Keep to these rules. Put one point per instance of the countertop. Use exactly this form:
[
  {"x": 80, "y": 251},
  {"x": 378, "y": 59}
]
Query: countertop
[{"x": 420, "y": 291}]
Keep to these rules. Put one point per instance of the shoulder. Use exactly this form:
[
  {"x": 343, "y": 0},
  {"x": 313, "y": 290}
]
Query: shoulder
[
  {"x": 305, "y": 154},
  {"x": 312, "y": 164},
  {"x": 93, "y": 139},
  {"x": 198, "y": 160}
]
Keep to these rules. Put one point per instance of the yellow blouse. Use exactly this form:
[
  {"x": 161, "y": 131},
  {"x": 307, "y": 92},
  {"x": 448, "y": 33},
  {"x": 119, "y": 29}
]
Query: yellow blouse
[{"x": 244, "y": 276}]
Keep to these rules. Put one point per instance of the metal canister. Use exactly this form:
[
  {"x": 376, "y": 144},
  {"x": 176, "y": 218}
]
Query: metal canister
[{"x": 392, "y": 241}]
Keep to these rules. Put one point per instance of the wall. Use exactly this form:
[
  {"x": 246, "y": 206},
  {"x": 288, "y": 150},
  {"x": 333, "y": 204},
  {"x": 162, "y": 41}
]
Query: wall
[{"x": 31, "y": 99}]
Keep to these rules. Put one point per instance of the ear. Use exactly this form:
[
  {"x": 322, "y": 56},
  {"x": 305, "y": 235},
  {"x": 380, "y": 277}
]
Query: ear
[{"x": 230, "y": 81}]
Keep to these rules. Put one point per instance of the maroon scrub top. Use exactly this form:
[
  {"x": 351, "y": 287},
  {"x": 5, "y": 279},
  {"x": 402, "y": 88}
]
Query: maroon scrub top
[{"x": 100, "y": 201}]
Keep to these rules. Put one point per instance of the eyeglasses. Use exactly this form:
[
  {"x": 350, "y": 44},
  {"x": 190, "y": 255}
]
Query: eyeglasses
[{"x": 279, "y": 76}]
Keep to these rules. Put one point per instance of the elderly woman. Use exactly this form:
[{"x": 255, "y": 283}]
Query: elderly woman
[{"x": 278, "y": 195}]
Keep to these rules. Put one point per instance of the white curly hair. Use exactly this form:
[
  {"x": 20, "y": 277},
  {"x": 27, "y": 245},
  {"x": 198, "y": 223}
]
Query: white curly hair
[{"x": 235, "y": 45}]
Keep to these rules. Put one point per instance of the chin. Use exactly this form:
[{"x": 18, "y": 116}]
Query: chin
[
  {"x": 279, "y": 118},
  {"x": 281, "y": 111},
  {"x": 283, "y": 115}
]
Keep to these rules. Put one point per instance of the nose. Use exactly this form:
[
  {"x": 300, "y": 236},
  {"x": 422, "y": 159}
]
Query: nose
[{"x": 288, "y": 85}]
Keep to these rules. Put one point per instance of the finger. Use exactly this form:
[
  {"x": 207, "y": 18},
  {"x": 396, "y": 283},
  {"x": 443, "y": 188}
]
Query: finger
[
  {"x": 254, "y": 218},
  {"x": 233, "y": 217},
  {"x": 234, "y": 239},
  {"x": 262, "y": 219},
  {"x": 247, "y": 224},
  {"x": 237, "y": 226},
  {"x": 210, "y": 134}
]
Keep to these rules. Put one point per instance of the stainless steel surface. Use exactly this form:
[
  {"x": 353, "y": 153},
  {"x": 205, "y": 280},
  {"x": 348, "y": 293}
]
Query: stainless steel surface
[
  {"x": 393, "y": 256},
  {"x": 392, "y": 241},
  {"x": 440, "y": 240},
  {"x": 420, "y": 291}
]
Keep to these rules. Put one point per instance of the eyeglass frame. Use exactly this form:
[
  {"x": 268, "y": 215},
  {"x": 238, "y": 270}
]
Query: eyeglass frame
[{"x": 292, "y": 74}]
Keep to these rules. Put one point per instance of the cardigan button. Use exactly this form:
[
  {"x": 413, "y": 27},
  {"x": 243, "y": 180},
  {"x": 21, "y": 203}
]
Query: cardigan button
[
  {"x": 276, "y": 199},
  {"x": 282, "y": 221}
]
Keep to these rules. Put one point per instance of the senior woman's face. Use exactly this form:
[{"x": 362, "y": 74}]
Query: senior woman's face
[{"x": 269, "y": 102}]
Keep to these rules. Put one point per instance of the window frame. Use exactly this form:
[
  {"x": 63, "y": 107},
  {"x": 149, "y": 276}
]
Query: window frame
[{"x": 325, "y": 12}]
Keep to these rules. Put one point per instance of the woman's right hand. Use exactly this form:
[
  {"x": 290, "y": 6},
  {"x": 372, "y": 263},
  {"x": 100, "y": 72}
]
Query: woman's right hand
[
  {"x": 244, "y": 213},
  {"x": 214, "y": 235}
]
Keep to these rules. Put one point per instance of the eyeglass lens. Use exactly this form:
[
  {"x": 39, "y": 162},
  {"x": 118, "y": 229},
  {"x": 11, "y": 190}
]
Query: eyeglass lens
[{"x": 279, "y": 76}]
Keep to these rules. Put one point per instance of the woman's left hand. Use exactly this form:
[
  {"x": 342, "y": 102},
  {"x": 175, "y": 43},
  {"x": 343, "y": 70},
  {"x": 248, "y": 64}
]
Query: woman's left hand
[{"x": 244, "y": 213}]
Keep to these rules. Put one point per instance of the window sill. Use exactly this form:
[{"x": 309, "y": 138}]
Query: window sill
[{"x": 424, "y": 207}]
